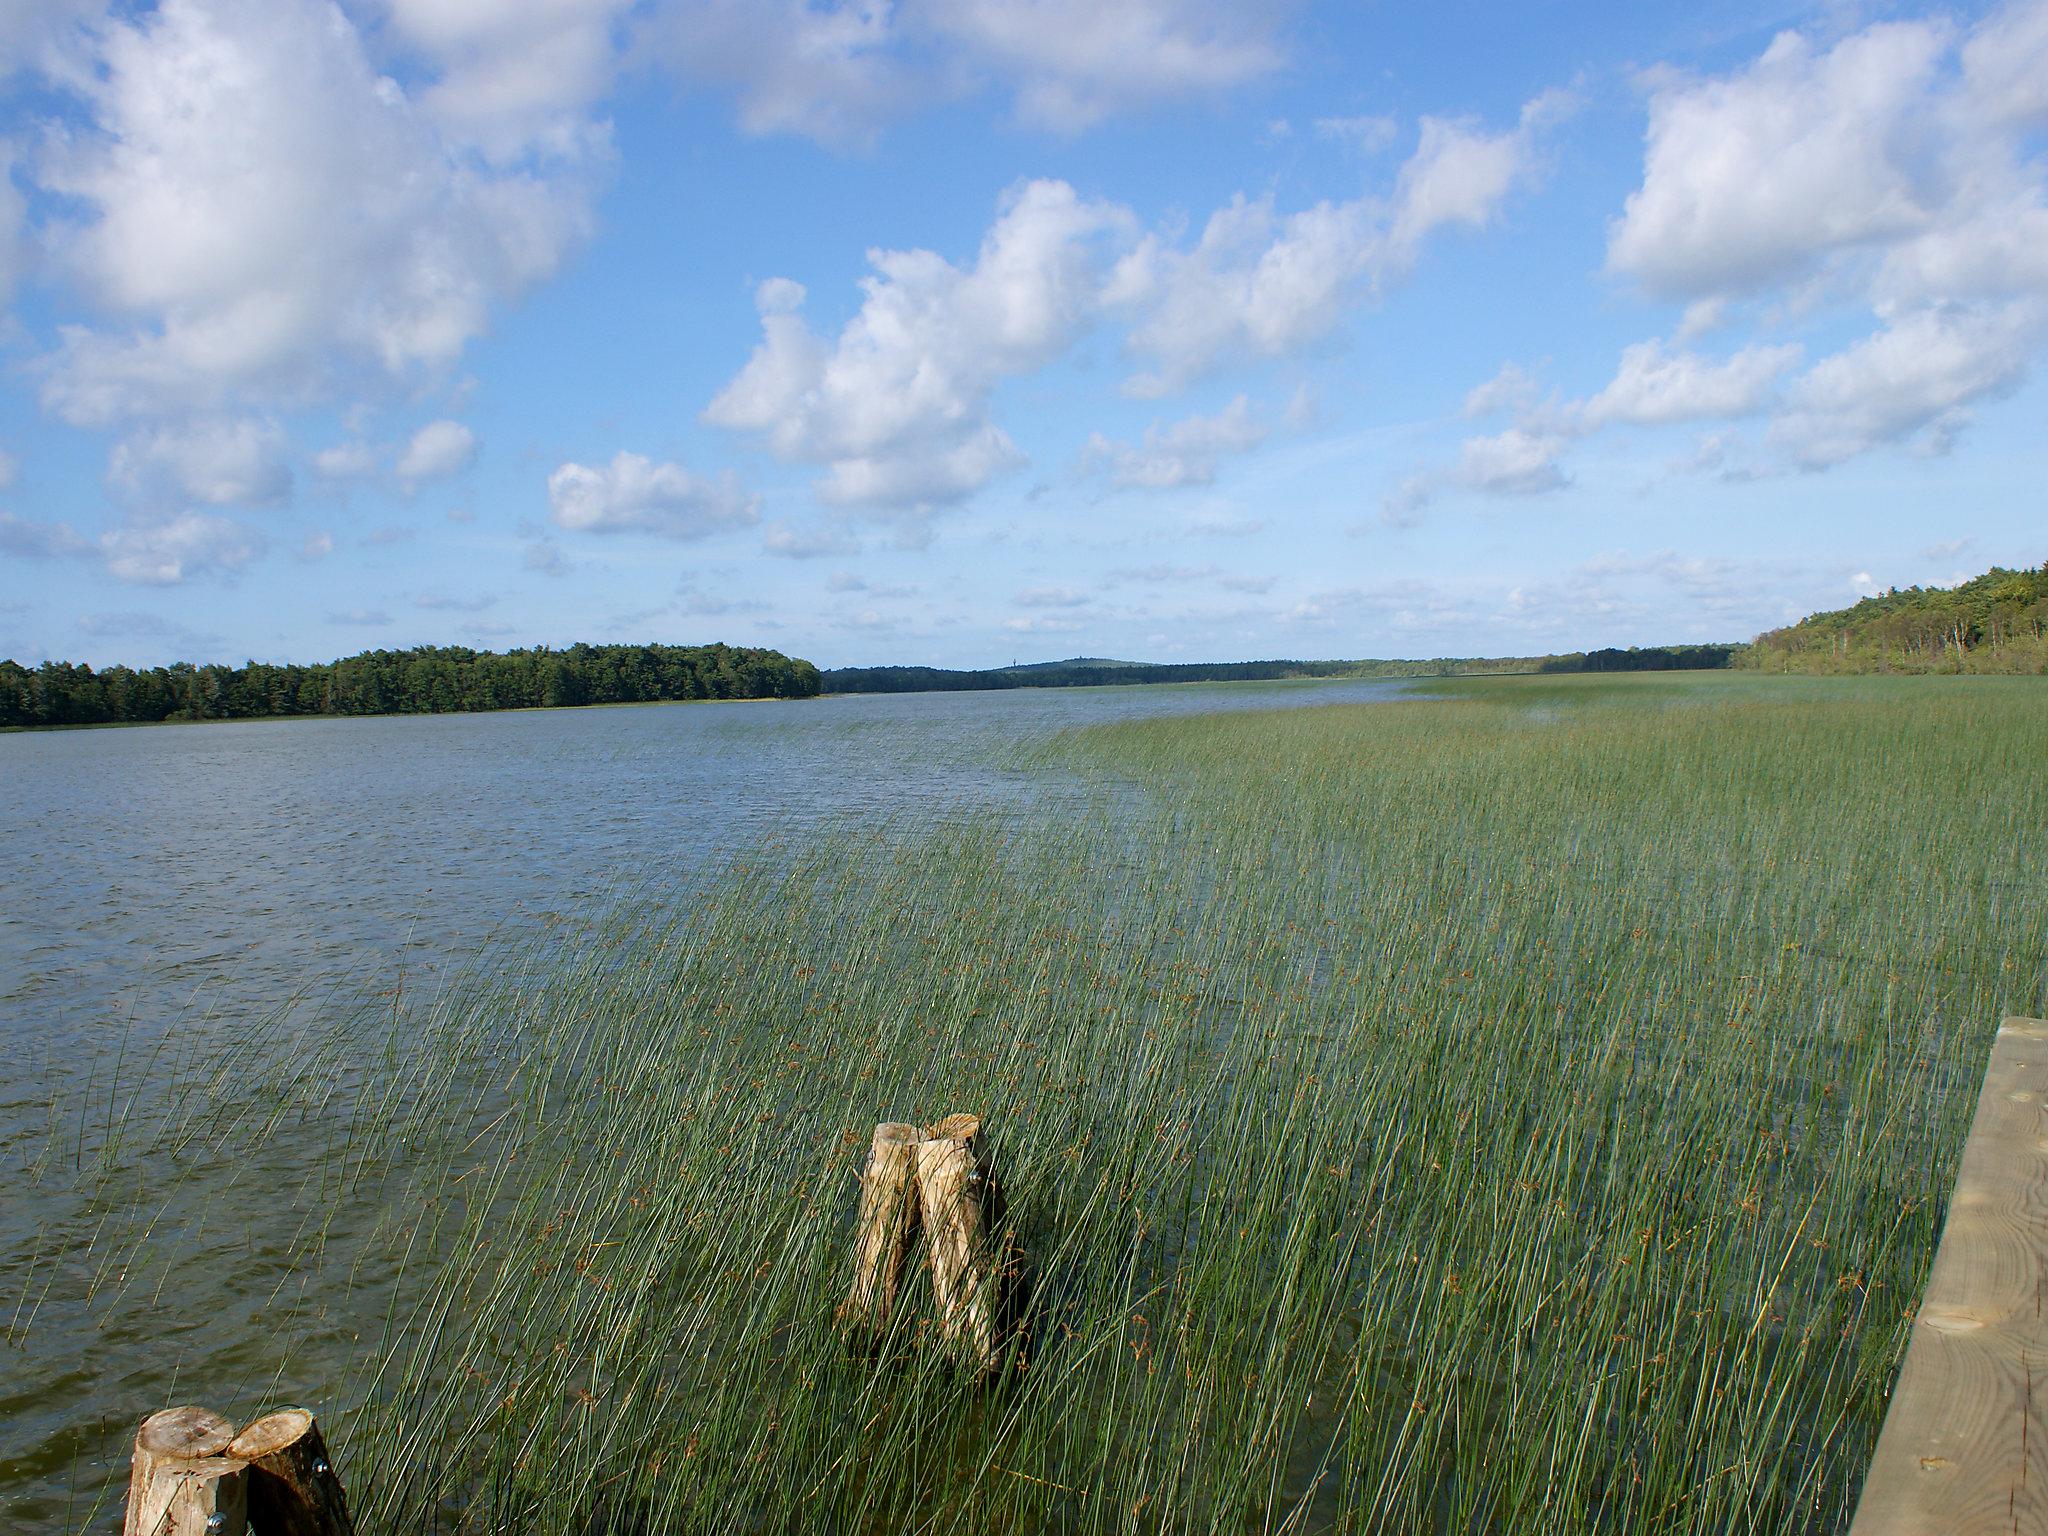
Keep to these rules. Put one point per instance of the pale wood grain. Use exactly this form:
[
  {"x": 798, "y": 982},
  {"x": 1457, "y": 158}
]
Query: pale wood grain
[
  {"x": 179, "y": 1484},
  {"x": 1964, "y": 1449}
]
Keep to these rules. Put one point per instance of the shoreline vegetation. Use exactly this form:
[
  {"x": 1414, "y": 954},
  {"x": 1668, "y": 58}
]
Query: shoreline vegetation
[
  {"x": 1529, "y": 1110},
  {"x": 1996, "y": 623},
  {"x": 425, "y": 680}
]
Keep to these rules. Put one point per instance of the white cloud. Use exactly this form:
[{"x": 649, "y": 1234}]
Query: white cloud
[
  {"x": 2005, "y": 64},
  {"x": 221, "y": 462},
  {"x": 10, "y": 470},
  {"x": 1184, "y": 453},
  {"x": 170, "y": 551},
  {"x": 1073, "y": 62},
  {"x": 634, "y": 494},
  {"x": 1513, "y": 388},
  {"x": 1511, "y": 463},
  {"x": 1917, "y": 374},
  {"x": 794, "y": 543},
  {"x": 439, "y": 449},
  {"x": 826, "y": 72},
  {"x": 1520, "y": 461},
  {"x": 516, "y": 78},
  {"x": 1749, "y": 176},
  {"x": 1260, "y": 285},
  {"x": 1653, "y": 387},
  {"x": 360, "y": 618},
  {"x": 1891, "y": 173},
  {"x": 345, "y": 461},
  {"x": 42, "y": 541},
  {"x": 276, "y": 216},
  {"x": 318, "y": 546},
  {"x": 1367, "y": 134},
  {"x": 837, "y": 70},
  {"x": 1051, "y": 597},
  {"x": 896, "y": 407}
]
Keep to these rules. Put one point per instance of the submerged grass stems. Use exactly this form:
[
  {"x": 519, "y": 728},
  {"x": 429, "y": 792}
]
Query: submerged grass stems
[{"x": 1526, "y": 1112}]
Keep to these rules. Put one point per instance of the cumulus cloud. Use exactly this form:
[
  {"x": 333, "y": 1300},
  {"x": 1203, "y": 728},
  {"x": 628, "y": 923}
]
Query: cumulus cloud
[
  {"x": 516, "y": 79},
  {"x": 39, "y": 540},
  {"x": 1259, "y": 284},
  {"x": 273, "y": 217},
  {"x": 1749, "y": 176},
  {"x": 1511, "y": 463},
  {"x": 794, "y": 543},
  {"x": 221, "y": 462},
  {"x": 1892, "y": 171},
  {"x": 634, "y": 494},
  {"x": 1889, "y": 174},
  {"x": 1516, "y": 462},
  {"x": 164, "y": 553},
  {"x": 345, "y": 461},
  {"x": 1073, "y": 62},
  {"x": 1917, "y": 375},
  {"x": 1655, "y": 387},
  {"x": 1183, "y": 453},
  {"x": 439, "y": 449},
  {"x": 838, "y": 71},
  {"x": 896, "y": 406}
]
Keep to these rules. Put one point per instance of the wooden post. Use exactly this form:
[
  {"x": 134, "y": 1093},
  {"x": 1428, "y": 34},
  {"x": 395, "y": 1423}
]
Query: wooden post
[
  {"x": 1968, "y": 1422},
  {"x": 293, "y": 1489},
  {"x": 951, "y": 1184},
  {"x": 179, "y": 1483},
  {"x": 885, "y": 1228}
]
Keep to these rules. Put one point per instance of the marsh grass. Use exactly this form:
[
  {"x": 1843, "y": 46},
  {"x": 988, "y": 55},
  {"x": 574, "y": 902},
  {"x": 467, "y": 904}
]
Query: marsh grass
[{"x": 1530, "y": 1110}]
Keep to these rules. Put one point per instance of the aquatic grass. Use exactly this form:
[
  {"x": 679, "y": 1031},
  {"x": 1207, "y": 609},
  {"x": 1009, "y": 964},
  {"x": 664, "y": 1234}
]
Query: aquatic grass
[{"x": 1529, "y": 1110}]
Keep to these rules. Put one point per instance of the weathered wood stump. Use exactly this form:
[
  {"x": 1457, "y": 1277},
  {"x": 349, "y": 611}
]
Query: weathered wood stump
[
  {"x": 951, "y": 1185},
  {"x": 179, "y": 1483},
  {"x": 292, "y": 1487},
  {"x": 887, "y": 1227},
  {"x": 931, "y": 1181}
]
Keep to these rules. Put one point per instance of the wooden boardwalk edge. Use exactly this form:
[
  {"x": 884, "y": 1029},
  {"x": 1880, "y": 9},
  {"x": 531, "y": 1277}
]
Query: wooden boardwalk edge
[{"x": 1964, "y": 1448}]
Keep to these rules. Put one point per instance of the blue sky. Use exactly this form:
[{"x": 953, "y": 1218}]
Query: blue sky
[{"x": 963, "y": 331}]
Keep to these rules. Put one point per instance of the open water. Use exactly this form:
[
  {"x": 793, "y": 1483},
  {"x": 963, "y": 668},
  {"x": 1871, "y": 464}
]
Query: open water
[{"x": 162, "y": 884}]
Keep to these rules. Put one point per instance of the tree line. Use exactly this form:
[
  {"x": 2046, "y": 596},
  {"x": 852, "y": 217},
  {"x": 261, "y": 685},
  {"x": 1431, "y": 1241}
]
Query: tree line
[
  {"x": 1091, "y": 672},
  {"x": 1997, "y": 622},
  {"x": 424, "y": 680}
]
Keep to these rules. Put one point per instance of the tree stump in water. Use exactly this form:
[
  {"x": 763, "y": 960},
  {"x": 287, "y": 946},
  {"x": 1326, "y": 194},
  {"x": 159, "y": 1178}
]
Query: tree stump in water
[
  {"x": 886, "y": 1228},
  {"x": 180, "y": 1483},
  {"x": 292, "y": 1487},
  {"x": 951, "y": 1186},
  {"x": 931, "y": 1180}
]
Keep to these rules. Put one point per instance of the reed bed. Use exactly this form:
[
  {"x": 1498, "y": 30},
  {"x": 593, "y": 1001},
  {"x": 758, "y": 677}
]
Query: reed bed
[{"x": 1528, "y": 1110}]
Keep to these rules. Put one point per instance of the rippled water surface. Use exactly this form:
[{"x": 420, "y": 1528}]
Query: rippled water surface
[{"x": 168, "y": 882}]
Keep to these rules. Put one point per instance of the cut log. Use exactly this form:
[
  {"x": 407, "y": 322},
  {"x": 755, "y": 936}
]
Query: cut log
[
  {"x": 885, "y": 1227},
  {"x": 293, "y": 1489},
  {"x": 965, "y": 1270},
  {"x": 179, "y": 1483}
]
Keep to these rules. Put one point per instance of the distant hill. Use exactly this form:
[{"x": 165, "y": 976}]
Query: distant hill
[
  {"x": 1100, "y": 663},
  {"x": 1997, "y": 622},
  {"x": 1096, "y": 671}
]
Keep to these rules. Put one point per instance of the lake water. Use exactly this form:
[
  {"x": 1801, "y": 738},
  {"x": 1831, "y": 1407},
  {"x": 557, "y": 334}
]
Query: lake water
[{"x": 181, "y": 879}]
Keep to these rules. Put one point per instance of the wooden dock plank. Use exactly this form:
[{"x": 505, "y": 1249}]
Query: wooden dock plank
[{"x": 1964, "y": 1449}]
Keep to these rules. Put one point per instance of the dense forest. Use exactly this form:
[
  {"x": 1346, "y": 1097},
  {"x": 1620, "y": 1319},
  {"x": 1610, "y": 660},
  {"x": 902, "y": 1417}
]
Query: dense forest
[
  {"x": 1093, "y": 671},
  {"x": 1997, "y": 622},
  {"x": 424, "y": 680}
]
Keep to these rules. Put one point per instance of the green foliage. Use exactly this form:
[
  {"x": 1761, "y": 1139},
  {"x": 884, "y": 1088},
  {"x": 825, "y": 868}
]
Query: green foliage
[
  {"x": 1092, "y": 672},
  {"x": 424, "y": 680},
  {"x": 1528, "y": 1112},
  {"x": 1997, "y": 622}
]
